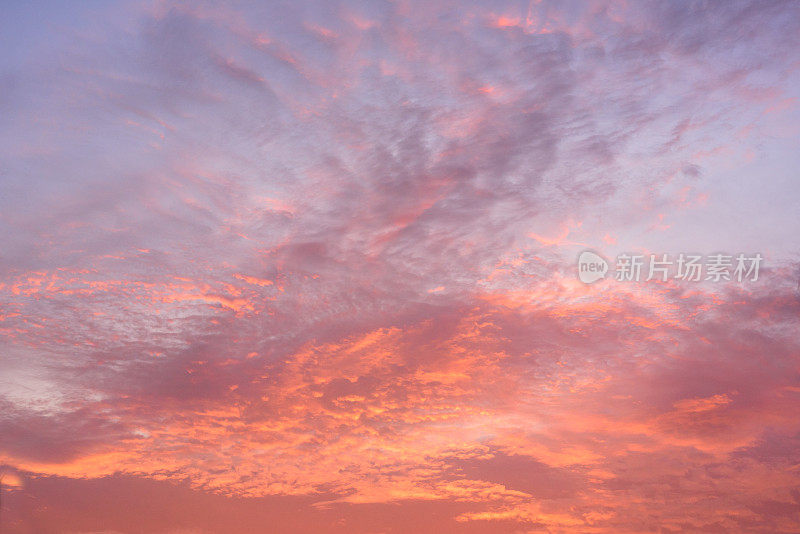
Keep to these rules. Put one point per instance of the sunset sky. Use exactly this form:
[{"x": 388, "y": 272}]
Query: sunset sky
[{"x": 311, "y": 267}]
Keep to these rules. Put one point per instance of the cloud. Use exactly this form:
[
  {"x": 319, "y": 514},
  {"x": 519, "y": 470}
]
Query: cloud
[{"x": 314, "y": 265}]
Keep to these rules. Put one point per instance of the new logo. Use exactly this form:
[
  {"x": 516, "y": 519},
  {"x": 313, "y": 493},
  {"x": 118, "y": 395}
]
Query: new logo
[{"x": 591, "y": 267}]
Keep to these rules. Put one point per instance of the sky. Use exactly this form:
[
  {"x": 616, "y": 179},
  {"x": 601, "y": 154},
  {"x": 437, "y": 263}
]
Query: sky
[{"x": 311, "y": 267}]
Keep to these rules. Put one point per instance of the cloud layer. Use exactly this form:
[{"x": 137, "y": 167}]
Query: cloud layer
[{"x": 312, "y": 265}]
